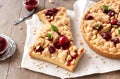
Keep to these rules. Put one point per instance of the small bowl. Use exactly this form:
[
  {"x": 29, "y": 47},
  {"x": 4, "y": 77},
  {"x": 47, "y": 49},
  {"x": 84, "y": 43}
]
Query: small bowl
[{"x": 31, "y": 6}]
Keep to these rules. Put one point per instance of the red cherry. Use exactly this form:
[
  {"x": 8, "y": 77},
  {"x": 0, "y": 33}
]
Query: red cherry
[
  {"x": 111, "y": 13},
  {"x": 116, "y": 40},
  {"x": 63, "y": 40},
  {"x": 113, "y": 22},
  {"x": 68, "y": 63},
  {"x": 51, "y": 49},
  {"x": 74, "y": 55},
  {"x": 51, "y": 12},
  {"x": 106, "y": 35},
  {"x": 40, "y": 49},
  {"x": 70, "y": 60},
  {"x": 89, "y": 17}
]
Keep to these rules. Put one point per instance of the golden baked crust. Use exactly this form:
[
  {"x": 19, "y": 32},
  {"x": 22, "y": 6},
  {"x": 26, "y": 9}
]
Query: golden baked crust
[
  {"x": 60, "y": 15},
  {"x": 47, "y": 46},
  {"x": 56, "y": 62},
  {"x": 100, "y": 28}
]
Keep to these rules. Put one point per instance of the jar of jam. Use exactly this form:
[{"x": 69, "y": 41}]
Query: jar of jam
[
  {"x": 31, "y": 4},
  {"x": 7, "y": 47}
]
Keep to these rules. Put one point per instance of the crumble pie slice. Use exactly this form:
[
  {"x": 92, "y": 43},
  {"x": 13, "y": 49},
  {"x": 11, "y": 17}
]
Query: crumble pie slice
[{"x": 55, "y": 43}]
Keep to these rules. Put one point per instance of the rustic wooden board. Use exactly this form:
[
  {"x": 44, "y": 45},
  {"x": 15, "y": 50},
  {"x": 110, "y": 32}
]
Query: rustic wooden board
[{"x": 9, "y": 69}]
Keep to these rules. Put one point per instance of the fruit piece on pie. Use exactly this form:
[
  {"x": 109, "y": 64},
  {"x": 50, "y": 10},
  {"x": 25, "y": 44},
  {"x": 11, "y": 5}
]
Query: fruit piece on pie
[
  {"x": 106, "y": 28},
  {"x": 54, "y": 44},
  {"x": 53, "y": 15},
  {"x": 100, "y": 26}
]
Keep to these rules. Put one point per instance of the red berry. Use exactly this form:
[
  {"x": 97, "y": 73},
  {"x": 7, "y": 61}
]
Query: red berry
[
  {"x": 74, "y": 55},
  {"x": 116, "y": 40},
  {"x": 63, "y": 40},
  {"x": 105, "y": 11},
  {"x": 106, "y": 35},
  {"x": 57, "y": 45},
  {"x": 70, "y": 60},
  {"x": 113, "y": 22},
  {"x": 89, "y": 17},
  {"x": 51, "y": 49},
  {"x": 51, "y": 12},
  {"x": 98, "y": 27},
  {"x": 111, "y": 13},
  {"x": 118, "y": 22},
  {"x": 40, "y": 49},
  {"x": 68, "y": 63}
]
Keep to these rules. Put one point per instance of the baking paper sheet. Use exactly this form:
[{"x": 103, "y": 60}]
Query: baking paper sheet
[{"x": 91, "y": 62}]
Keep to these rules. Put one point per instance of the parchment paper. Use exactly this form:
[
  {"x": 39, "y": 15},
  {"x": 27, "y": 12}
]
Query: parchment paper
[{"x": 91, "y": 62}]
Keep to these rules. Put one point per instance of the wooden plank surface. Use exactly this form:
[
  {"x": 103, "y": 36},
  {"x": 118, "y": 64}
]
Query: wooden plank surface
[{"x": 9, "y": 69}]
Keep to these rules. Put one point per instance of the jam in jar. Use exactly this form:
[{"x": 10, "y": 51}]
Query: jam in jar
[
  {"x": 3, "y": 45},
  {"x": 31, "y": 4}
]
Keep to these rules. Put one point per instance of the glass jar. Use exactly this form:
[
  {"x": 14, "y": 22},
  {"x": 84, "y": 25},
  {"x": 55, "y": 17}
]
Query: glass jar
[{"x": 31, "y": 4}]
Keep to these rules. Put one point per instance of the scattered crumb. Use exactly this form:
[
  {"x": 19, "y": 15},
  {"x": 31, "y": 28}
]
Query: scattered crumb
[
  {"x": 68, "y": 73},
  {"x": 19, "y": 67},
  {"x": 46, "y": 65},
  {"x": 76, "y": 34},
  {"x": 76, "y": 19},
  {"x": 20, "y": 28},
  {"x": 39, "y": 68},
  {"x": 38, "y": 65},
  {"x": 6, "y": 74},
  {"x": 57, "y": 70},
  {"x": 81, "y": 42},
  {"x": 22, "y": 42},
  {"x": 51, "y": 1},
  {"x": 33, "y": 63},
  {"x": 96, "y": 56},
  {"x": 56, "y": 66},
  {"x": 89, "y": 56},
  {"x": 86, "y": 69},
  {"x": 104, "y": 62},
  {"x": 112, "y": 64},
  {"x": 96, "y": 67},
  {"x": 34, "y": 31},
  {"x": 102, "y": 59}
]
